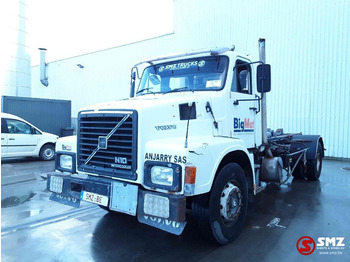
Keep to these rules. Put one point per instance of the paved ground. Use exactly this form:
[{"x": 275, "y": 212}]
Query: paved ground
[{"x": 36, "y": 229}]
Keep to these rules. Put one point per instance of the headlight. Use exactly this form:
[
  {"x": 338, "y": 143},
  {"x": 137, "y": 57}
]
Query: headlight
[
  {"x": 66, "y": 162},
  {"x": 162, "y": 175}
]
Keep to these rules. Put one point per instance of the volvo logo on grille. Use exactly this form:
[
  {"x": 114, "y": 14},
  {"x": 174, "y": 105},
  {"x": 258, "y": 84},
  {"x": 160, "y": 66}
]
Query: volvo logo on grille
[
  {"x": 102, "y": 142},
  {"x": 120, "y": 160}
]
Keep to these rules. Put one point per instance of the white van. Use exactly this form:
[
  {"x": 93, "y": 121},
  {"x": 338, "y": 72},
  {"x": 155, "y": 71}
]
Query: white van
[{"x": 21, "y": 139}]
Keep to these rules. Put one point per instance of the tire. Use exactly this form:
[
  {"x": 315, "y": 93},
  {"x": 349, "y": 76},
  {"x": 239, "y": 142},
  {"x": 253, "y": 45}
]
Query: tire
[
  {"x": 314, "y": 166},
  {"x": 47, "y": 152},
  {"x": 221, "y": 214}
]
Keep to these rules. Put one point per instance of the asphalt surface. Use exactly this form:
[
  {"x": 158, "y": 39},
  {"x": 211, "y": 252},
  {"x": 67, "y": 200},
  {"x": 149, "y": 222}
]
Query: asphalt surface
[{"x": 33, "y": 228}]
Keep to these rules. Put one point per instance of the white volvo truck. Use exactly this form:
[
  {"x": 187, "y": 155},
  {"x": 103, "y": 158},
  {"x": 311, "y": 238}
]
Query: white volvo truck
[{"x": 192, "y": 137}]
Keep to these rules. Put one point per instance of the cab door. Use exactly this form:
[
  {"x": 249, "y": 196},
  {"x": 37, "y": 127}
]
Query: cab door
[
  {"x": 21, "y": 140},
  {"x": 3, "y": 138},
  {"x": 243, "y": 104}
]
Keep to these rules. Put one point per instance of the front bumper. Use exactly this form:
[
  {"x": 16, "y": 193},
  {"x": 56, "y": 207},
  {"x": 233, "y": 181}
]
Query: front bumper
[{"x": 163, "y": 211}]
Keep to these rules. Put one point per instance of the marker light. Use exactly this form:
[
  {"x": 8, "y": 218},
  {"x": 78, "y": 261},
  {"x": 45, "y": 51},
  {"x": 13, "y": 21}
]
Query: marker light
[
  {"x": 190, "y": 179},
  {"x": 155, "y": 205},
  {"x": 56, "y": 184}
]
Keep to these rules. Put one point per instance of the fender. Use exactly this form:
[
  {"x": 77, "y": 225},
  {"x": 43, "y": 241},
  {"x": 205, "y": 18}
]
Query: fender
[
  {"x": 310, "y": 142},
  {"x": 221, "y": 148},
  {"x": 206, "y": 153}
]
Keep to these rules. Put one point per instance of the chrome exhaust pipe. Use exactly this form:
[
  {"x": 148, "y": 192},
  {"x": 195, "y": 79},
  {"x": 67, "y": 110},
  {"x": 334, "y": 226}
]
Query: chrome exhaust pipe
[{"x": 263, "y": 99}]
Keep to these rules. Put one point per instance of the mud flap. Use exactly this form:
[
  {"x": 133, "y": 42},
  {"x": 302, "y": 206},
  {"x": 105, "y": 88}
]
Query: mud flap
[
  {"x": 171, "y": 226},
  {"x": 65, "y": 199}
]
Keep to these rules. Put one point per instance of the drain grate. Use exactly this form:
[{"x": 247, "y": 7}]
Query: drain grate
[{"x": 345, "y": 169}]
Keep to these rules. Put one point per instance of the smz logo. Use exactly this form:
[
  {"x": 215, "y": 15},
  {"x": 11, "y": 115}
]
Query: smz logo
[
  {"x": 245, "y": 125},
  {"x": 325, "y": 242},
  {"x": 306, "y": 245}
]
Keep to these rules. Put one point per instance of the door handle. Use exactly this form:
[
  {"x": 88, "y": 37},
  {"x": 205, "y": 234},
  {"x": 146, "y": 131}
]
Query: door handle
[
  {"x": 11, "y": 139},
  {"x": 253, "y": 108}
]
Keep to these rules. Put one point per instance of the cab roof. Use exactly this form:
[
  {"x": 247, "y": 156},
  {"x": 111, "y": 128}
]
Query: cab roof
[{"x": 212, "y": 52}]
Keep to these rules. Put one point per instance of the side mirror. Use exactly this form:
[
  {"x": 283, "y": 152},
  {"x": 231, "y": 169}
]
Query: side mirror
[{"x": 263, "y": 78}]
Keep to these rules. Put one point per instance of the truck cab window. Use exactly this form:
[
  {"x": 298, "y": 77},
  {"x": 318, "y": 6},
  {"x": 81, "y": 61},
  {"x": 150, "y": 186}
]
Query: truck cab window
[
  {"x": 195, "y": 74},
  {"x": 242, "y": 78},
  {"x": 178, "y": 82},
  {"x": 154, "y": 83}
]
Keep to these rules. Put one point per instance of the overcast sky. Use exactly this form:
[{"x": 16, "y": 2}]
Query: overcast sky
[{"x": 68, "y": 28}]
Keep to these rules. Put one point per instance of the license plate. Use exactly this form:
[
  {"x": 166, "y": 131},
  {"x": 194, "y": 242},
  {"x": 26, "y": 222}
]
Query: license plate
[
  {"x": 124, "y": 198},
  {"x": 94, "y": 198}
]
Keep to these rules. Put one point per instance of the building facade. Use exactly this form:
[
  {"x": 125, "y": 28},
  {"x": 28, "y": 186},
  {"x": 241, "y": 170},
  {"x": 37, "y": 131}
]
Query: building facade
[
  {"x": 306, "y": 45},
  {"x": 15, "y": 68}
]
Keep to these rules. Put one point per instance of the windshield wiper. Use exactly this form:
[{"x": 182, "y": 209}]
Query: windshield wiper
[
  {"x": 177, "y": 89},
  {"x": 145, "y": 89}
]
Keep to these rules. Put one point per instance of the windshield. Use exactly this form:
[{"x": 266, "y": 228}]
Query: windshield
[{"x": 198, "y": 74}]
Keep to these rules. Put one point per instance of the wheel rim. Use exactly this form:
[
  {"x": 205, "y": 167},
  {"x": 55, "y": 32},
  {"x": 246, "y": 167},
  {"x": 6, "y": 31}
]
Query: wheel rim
[
  {"x": 318, "y": 163},
  {"x": 230, "y": 203},
  {"x": 48, "y": 153}
]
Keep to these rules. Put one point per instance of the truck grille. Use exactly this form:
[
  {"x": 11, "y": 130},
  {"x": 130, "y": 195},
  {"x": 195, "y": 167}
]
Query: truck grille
[{"x": 107, "y": 144}]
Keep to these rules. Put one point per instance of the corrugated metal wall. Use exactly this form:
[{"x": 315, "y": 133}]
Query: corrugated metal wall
[
  {"x": 306, "y": 45},
  {"x": 47, "y": 114}
]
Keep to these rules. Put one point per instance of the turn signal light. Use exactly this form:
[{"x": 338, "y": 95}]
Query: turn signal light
[{"x": 190, "y": 179}]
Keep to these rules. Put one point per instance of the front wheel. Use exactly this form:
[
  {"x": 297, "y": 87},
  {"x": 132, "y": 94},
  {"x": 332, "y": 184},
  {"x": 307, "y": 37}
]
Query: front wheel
[
  {"x": 47, "y": 152},
  {"x": 221, "y": 217}
]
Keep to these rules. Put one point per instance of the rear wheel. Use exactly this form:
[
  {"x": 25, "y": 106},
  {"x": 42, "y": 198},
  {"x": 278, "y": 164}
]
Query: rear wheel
[
  {"x": 221, "y": 214},
  {"x": 314, "y": 166},
  {"x": 47, "y": 152}
]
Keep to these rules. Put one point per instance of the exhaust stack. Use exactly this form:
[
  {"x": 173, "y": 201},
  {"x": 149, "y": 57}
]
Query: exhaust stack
[
  {"x": 263, "y": 97},
  {"x": 43, "y": 65}
]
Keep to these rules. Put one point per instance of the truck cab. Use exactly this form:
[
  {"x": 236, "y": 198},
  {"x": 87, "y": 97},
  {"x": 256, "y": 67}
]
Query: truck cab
[{"x": 189, "y": 138}]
